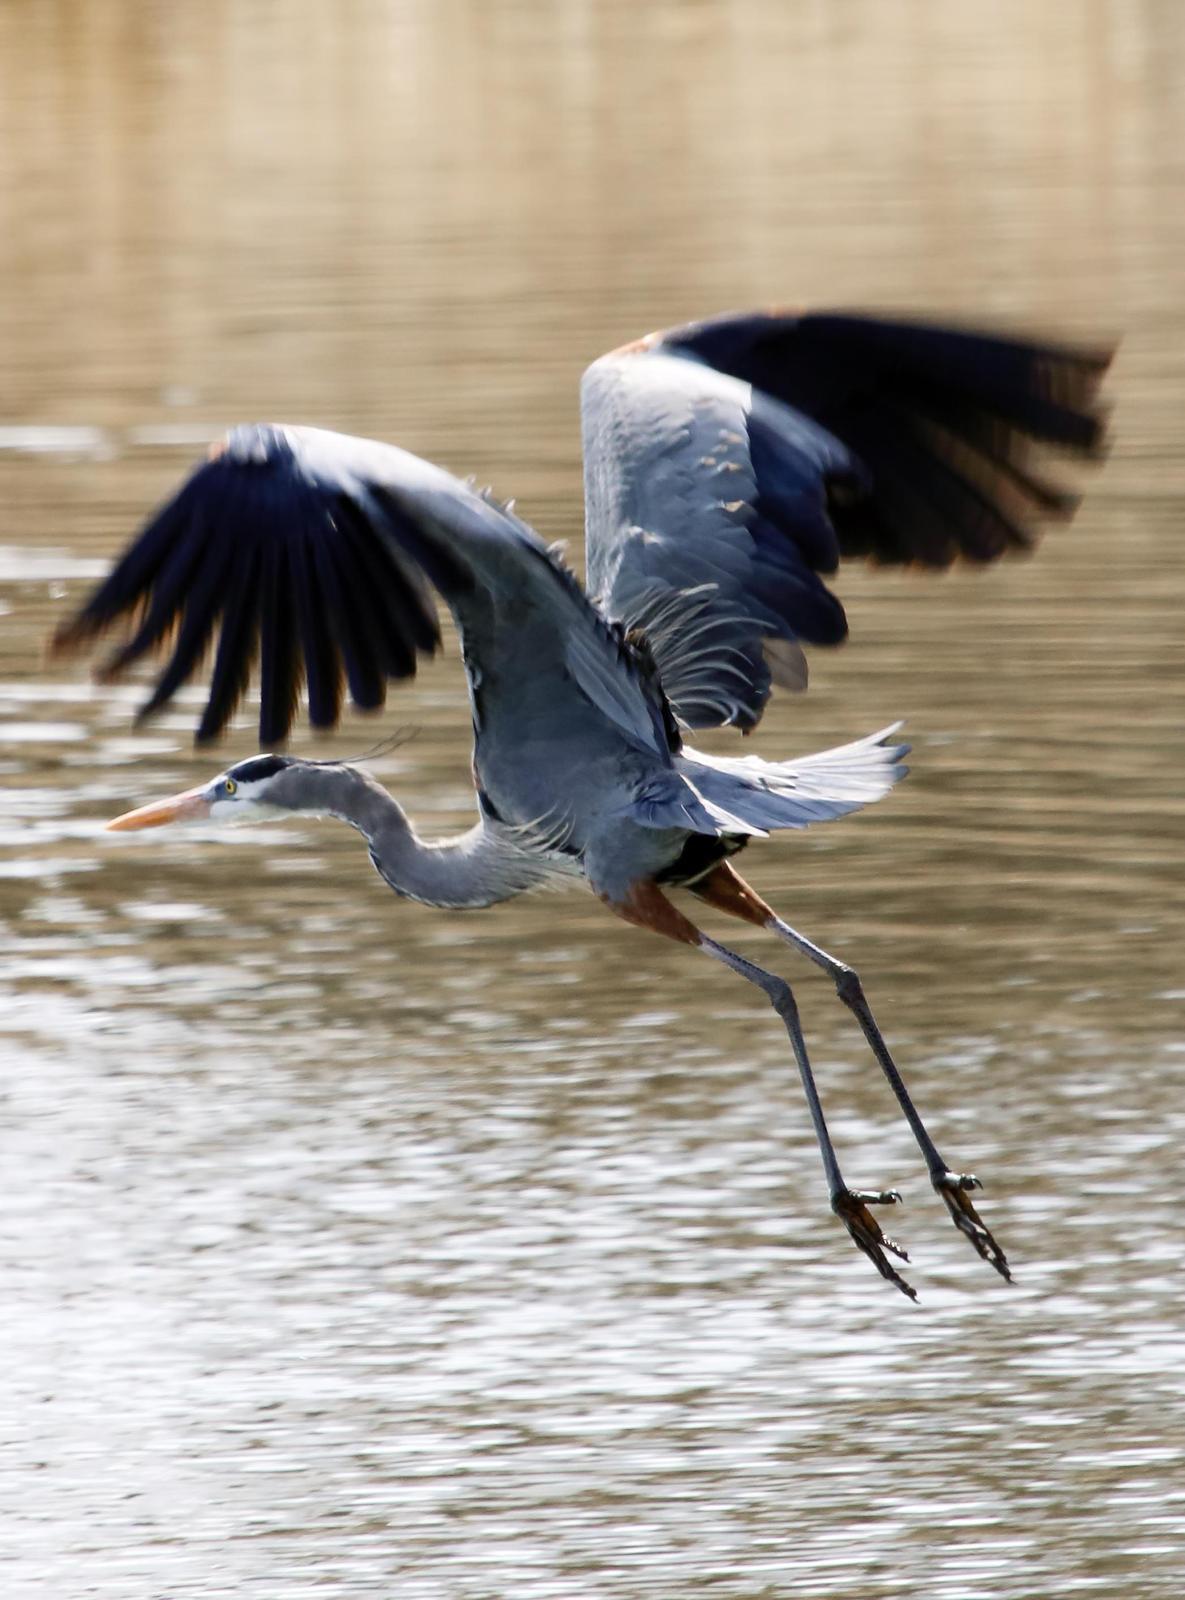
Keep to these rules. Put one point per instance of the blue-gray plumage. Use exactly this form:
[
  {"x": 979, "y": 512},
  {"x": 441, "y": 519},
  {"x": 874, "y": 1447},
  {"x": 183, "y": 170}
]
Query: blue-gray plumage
[{"x": 729, "y": 466}]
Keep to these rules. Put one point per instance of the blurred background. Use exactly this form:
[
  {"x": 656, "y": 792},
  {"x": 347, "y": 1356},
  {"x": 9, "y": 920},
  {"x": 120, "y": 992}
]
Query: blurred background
[{"x": 355, "y": 1248}]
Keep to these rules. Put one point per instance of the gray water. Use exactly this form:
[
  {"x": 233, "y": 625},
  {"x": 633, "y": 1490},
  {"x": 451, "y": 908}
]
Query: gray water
[{"x": 353, "y": 1248}]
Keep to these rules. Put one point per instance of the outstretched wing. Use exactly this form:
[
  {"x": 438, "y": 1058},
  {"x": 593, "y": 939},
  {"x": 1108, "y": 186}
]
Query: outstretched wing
[
  {"x": 730, "y": 463},
  {"x": 317, "y": 554}
]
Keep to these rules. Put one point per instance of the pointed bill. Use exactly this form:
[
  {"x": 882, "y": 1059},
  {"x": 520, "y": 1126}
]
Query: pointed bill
[{"x": 193, "y": 803}]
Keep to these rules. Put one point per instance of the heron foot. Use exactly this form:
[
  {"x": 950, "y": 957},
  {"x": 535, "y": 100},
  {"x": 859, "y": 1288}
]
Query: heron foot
[
  {"x": 851, "y": 1207},
  {"x": 954, "y": 1187}
]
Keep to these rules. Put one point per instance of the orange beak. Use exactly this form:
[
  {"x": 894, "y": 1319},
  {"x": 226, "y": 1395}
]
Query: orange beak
[{"x": 185, "y": 807}]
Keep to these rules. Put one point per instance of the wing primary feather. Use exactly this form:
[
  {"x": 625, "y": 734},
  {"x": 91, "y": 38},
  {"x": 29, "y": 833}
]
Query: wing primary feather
[
  {"x": 822, "y": 362},
  {"x": 237, "y": 648},
  {"x": 138, "y": 570},
  {"x": 972, "y": 521},
  {"x": 423, "y": 626},
  {"x": 323, "y": 666},
  {"x": 388, "y": 604},
  {"x": 280, "y": 675},
  {"x": 998, "y": 451},
  {"x": 377, "y": 613},
  {"x": 363, "y": 675},
  {"x": 167, "y": 597},
  {"x": 203, "y": 606}
]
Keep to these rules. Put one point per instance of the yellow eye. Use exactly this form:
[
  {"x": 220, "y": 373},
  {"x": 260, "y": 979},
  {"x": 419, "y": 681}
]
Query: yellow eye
[{"x": 230, "y": 786}]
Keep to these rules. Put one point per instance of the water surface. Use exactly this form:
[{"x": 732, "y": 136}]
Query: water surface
[{"x": 355, "y": 1248}]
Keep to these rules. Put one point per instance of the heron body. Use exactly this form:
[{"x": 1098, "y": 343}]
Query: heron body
[{"x": 729, "y": 466}]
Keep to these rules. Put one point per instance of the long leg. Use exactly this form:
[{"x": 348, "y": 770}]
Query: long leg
[
  {"x": 727, "y": 890},
  {"x": 647, "y": 907}
]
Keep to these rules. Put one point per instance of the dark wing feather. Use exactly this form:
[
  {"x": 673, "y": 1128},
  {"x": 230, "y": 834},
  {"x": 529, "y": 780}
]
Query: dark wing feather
[
  {"x": 159, "y": 595},
  {"x": 346, "y": 598},
  {"x": 324, "y": 673},
  {"x": 253, "y": 542},
  {"x": 237, "y": 648},
  {"x": 202, "y": 606},
  {"x": 279, "y": 674},
  {"x": 926, "y": 401},
  {"x": 387, "y": 611},
  {"x": 161, "y": 549}
]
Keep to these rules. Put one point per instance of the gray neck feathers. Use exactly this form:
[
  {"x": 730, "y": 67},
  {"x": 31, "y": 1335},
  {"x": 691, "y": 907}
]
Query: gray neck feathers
[{"x": 475, "y": 868}]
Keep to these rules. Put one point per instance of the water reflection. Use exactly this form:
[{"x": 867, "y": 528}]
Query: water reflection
[{"x": 355, "y": 1246}]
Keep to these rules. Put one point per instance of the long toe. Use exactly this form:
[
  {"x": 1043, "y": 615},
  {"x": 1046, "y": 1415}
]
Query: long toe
[
  {"x": 955, "y": 1187},
  {"x": 851, "y": 1207}
]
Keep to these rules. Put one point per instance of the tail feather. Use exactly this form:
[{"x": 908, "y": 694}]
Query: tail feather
[{"x": 792, "y": 794}]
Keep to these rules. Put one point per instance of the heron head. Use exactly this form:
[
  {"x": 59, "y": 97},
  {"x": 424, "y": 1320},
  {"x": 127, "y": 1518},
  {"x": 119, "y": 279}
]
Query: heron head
[{"x": 247, "y": 792}]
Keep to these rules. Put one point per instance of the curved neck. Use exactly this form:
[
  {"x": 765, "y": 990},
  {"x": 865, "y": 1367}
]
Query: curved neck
[{"x": 472, "y": 869}]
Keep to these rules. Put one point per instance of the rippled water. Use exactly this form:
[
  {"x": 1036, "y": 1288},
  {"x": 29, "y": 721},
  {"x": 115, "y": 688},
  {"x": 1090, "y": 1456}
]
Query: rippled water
[{"x": 355, "y": 1248}]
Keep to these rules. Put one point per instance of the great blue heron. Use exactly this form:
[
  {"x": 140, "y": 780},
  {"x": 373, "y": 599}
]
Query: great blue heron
[{"x": 728, "y": 464}]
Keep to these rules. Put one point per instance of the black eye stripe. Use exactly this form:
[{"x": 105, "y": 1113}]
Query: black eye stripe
[{"x": 258, "y": 767}]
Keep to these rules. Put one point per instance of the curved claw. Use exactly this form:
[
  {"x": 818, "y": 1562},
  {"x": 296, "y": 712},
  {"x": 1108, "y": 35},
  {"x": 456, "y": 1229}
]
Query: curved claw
[
  {"x": 954, "y": 1187},
  {"x": 957, "y": 1180},
  {"x": 851, "y": 1207}
]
